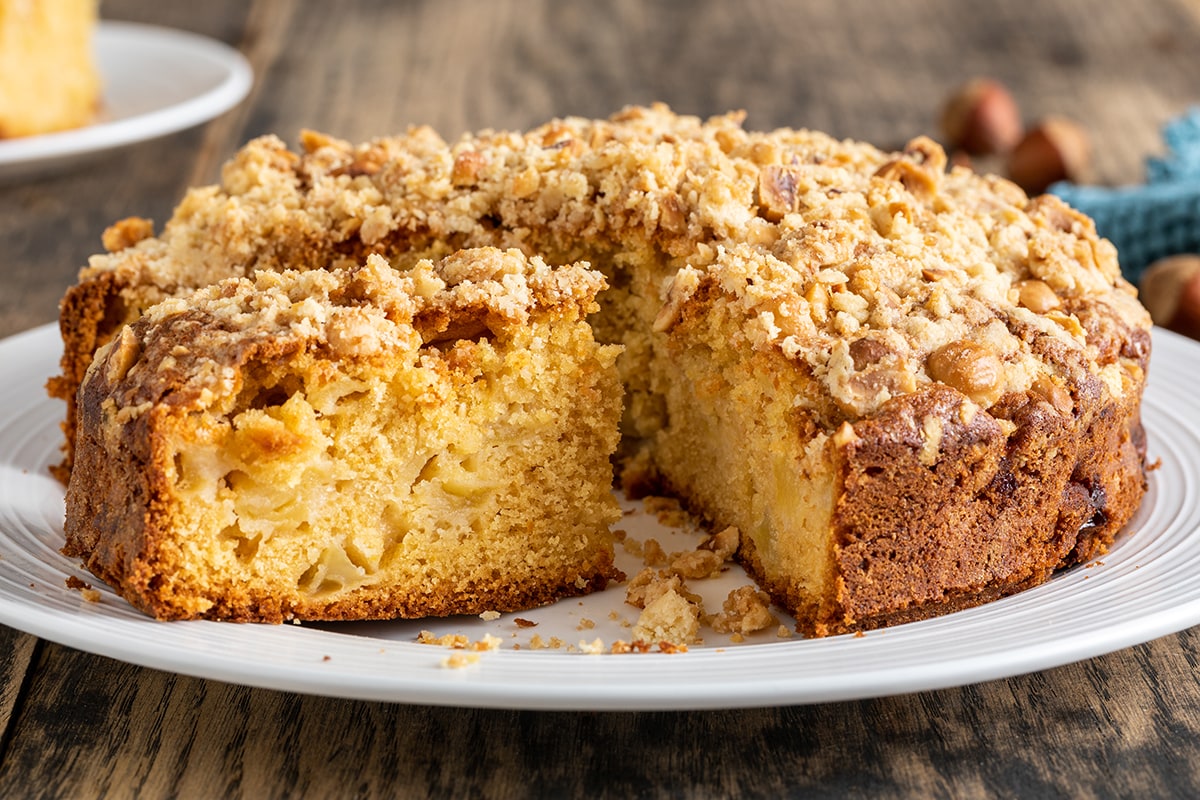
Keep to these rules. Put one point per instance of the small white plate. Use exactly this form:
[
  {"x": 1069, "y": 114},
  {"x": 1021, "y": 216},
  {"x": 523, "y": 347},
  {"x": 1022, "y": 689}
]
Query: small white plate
[
  {"x": 155, "y": 81},
  {"x": 1147, "y": 586}
]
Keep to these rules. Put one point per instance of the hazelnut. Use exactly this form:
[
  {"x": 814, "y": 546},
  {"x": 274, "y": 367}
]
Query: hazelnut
[
  {"x": 1054, "y": 394},
  {"x": 1037, "y": 296},
  {"x": 1056, "y": 150},
  {"x": 982, "y": 118},
  {"x": 969, "y": 367},
  {"x": 777, "y": 191},
  {"x": 1170, "y": 290}
]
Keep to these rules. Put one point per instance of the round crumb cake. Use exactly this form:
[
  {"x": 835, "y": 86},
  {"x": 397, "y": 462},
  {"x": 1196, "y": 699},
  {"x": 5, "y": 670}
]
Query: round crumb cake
[{"x": 911, "y": 388}]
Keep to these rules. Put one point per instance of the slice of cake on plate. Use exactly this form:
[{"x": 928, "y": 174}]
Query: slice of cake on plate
[{"x": 351, "y": 444}]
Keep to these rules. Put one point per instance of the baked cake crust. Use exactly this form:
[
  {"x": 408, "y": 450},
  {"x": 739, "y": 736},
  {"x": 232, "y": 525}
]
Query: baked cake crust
[{"x": 921, "y": 385}]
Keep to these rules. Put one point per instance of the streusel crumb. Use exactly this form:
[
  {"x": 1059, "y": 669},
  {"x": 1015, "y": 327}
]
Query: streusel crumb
[
  {"x": 670, "y": 617},
  {"x": 745, "y": 610}
]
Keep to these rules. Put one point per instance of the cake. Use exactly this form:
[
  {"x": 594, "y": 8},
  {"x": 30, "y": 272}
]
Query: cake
[
  {"x": 910, "y": 387},
  {"x": 48, "y": 78},
  {"x": 352, "y": 444}
]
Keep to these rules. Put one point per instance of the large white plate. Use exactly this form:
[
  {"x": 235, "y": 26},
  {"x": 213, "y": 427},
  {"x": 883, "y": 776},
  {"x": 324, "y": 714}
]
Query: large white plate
[
  {"x": 1147, "y": 586},
  {"x": 155, "y": 81}
]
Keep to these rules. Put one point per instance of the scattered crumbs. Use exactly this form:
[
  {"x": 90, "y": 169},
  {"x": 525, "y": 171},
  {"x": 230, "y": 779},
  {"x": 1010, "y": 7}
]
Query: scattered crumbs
[
  {"x": 737, "y": 638},
  {"x": 784, "y": 632},
  {"x": 667, "y": 511},
  {"x": 1156, "y": 464},
  {"x": 516, "y": 646},
  {"x": 521, "y": 622},
  {"x": 673, "y": 519},
  {"x": 326, "y": 658},
  {"x": 652, "y": 554},
  {"x": 656, "y": 503},
  {"x": 620, "y": 534},
  {"x": 614, "y": 616},
  {"x": 670, "y": 617},
  {"x": 85, "y": 589},
  {"x": 633, "y": 547},
  {"x": 454, "y": 640},
  {"x": 859, "y": 634},
  {"x": 537, "y": 642},
  {"x": 457, "y": 641},
  {"x": 295, "y": 621},
  {"x": 670, "y": 648},
  {"x": 460, "y": 660},
  {"x": 556, "y": 643},
  {"x": 592, "y": 648},
  {"x": 745, "y": 610},
  {"x": 648, "y": 585},
  {"x": 585, "y": 624},
  {"x": 696, "y": 564},
  {"x": 724, "y": 543},
  {"x": 488, "y": 642},
  {"x": 489, "y": 616}
]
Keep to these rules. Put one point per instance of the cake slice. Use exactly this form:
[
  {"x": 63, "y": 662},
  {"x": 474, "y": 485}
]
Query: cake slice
[
  {"x": 945, "y": 418},
  {"x": 353, "y": 444}
]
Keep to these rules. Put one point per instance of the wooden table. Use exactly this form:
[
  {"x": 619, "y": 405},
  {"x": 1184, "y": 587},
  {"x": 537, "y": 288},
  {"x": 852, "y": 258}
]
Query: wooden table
[{"x": 1125, "y": 724}]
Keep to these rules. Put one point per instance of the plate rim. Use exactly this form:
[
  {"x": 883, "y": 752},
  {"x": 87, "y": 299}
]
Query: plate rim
[
  {"x": 101, "y": 135},
  {"x": 394, "y": 671}
]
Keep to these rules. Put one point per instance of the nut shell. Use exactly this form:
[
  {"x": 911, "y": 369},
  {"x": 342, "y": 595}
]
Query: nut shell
[
  {"x": 1170, "y": 290},
  {"x": 981, "y": 118},
  {"x": 1056, "y": 150}
]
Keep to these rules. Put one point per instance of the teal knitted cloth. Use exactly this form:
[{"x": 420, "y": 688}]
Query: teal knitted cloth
[{"x": 1157, "y": 219}]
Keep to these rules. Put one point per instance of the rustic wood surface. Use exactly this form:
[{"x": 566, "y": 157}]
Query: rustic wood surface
[{"x": 1123, "y": 725}]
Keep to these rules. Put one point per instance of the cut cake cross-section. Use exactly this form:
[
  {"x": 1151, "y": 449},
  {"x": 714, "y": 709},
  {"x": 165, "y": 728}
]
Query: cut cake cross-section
[{"x": 353, "y": 444}]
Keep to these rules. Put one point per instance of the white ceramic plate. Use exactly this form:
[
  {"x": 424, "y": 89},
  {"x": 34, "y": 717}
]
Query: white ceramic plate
[
  {"x": 155, "y": 81},
  {"x": 1146, "y": 587}
]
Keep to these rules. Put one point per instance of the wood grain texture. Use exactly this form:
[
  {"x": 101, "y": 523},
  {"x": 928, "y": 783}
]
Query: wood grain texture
[
  {"x": 17, "y": 656},
  {"x": 1119, "y": 726},
  {"x": 1125, "y": 725}
]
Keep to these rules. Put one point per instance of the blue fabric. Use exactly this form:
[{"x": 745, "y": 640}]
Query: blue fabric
[{"x": 1157, "y": 219}]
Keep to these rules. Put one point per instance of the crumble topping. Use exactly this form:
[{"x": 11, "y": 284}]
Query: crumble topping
[
  {"x": 358, "y": 313},
  {"x": 857, "y": 263}
]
